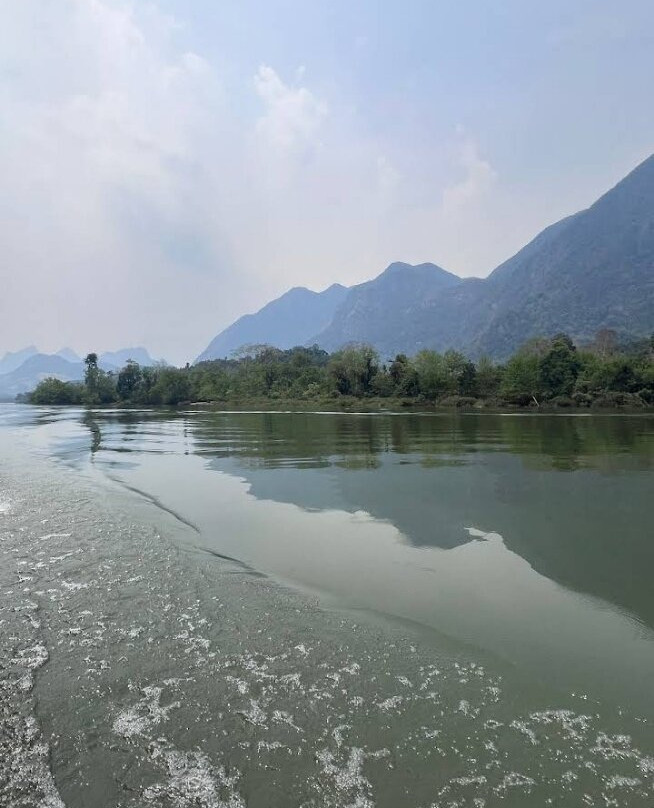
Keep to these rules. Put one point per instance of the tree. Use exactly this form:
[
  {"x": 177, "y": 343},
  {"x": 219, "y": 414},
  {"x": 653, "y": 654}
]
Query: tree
[
  {"x": 53, "y": 391},
  {"x": 172, "y": 387},
  {"x": 106, "y": 388},
  {"x": 435, "y": 378},
  {"x": 488, "y": 378},
  {"x": 129, "y": 381},
  {"x": 353, "y": 369},
  {"x": 559, "y": 367},
  {"x": 541, "y": 369},
  {"x": 521, "y": 378},
  {"x": 404, "y": 376},
  {"x": 605, "y": 343},
  {"x": 99, "y": 387},
  {"x": 91, "y": 376},
  {"x": 461, "y": 373}
]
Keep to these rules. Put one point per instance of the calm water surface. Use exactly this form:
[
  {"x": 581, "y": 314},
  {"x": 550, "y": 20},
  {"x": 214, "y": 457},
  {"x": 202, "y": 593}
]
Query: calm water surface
[{"x": 522, "y": 545}]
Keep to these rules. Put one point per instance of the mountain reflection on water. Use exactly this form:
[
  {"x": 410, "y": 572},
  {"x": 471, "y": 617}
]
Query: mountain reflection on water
[
  {"x": 569, "y": 494},
  {"x": 526, "y": 536}
]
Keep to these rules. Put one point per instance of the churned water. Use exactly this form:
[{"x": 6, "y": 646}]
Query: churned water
[{"x": 228, "y": 609}]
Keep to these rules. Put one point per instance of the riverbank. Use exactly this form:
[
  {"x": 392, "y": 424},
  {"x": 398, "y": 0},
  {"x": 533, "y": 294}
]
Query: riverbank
[
  {"x": 372, "y": 404},
  {"x": 352, "y": 404}
]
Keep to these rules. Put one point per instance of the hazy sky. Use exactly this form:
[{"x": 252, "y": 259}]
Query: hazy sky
[{"x": 168, "y": 165}]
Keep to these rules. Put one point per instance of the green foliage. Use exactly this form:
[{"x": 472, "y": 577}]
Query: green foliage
[
  {"x": 99, "y": 387},
  {"x": 404, "y": 376},
  {"x": 91, "y": 376},
  {"x": 129, "y": 381},
  {"x": 544, "y": 371},
  {"x": 521, "y": 382},
  {"x": 435, "y": 378},
  {"x": 559, "y": 367},
  {"x": 54, "y": 391},
  {"x": 105, "y": 389},
  {"x": 353, "y": 369},
  {"x": 488, "y": 378},
  {"x": 172, "y": 387}
]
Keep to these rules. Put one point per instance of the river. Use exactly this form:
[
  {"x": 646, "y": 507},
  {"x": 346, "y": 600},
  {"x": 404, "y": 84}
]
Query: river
[{"x": 316, "y": 609}]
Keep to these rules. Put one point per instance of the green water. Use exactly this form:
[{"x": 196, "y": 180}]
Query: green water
[{"x": 512, "y": 554}]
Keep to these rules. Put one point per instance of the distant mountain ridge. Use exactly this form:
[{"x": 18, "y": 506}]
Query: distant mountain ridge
[
  {"x": 69, "y": 354},
  {"x": 591, "y": 270},
  {"x": 112, "y": 360},
  {"x": 33, "y": 367},
  {"x": 36, "y": 368},
  {"x": 10, "y": 361},
  {"x": 285, "y": 322}
]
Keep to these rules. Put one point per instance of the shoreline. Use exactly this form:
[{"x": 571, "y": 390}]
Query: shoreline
[
  {"x": 400, "y": 406},
  {"x": 372, "y": 405}
]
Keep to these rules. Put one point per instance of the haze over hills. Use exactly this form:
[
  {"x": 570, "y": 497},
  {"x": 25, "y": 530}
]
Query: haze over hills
[
  {"x": 592, "y": 270},
  {"x": 10, "y": 361},
  {"x": 69, "y": 354},
  {"x": 110, "y": 360},
  {"x": 36, "y": 368},
  {"x": 26, "y": 368},
  {"x": 290, "y": 320}
]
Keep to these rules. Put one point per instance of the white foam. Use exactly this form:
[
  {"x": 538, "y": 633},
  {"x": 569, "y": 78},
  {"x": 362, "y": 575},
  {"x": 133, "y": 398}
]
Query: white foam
[
  {"x": 478, "y": 780},
  {"x": 521, "y": 727},
  {"x": 516, "y": 780},
  {"x": 573, "y": 725},
  {"x": 348, "y": 779},
  {"x": 614, "y": 746},
  {"x": 192, "y": 782},
  {"x": 144, "y": 715},
  {"x": 32, "y": 658},
  {"x": 255, "y": 715},
  {"x": 282, "y": 717},
  {"x": 391, "y": 703},
  {"x": 619, "y": 781}
]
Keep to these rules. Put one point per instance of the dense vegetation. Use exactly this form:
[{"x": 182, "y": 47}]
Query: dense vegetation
[{"x": 543, "y": 372}]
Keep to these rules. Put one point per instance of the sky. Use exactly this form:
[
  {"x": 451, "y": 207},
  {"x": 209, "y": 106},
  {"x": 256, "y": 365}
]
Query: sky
[{"x": 168, "y": 165}]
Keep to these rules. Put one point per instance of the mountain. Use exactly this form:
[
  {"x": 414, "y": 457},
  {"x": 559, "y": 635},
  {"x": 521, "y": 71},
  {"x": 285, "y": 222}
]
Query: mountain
[
  {"x": 379, "y": 311},
  {"x": 38, "y": 366},
  {"x": 114, "y": 360},
  {"x": 34, "y": 369},
  {"x": 11, "y": 361},
  {"x": 290, "y": 320},
  {"x": 69, "y": 354},
  {"x": 592, "y": 270}
]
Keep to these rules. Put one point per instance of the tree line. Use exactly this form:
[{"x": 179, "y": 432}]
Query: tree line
[{"x": 542, "y": 372}]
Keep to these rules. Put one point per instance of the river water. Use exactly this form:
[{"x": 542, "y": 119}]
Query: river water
[{"x": 293, "y": 609}]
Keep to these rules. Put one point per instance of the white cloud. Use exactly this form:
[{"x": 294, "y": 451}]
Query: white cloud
[
  {"x": 97, "y": 163},
  {"x": 146, "y": 199},
  {"x": 292, "y": 114},
  {"x": 479, "y": 176},
  {"x": 388, "y": 177}
]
